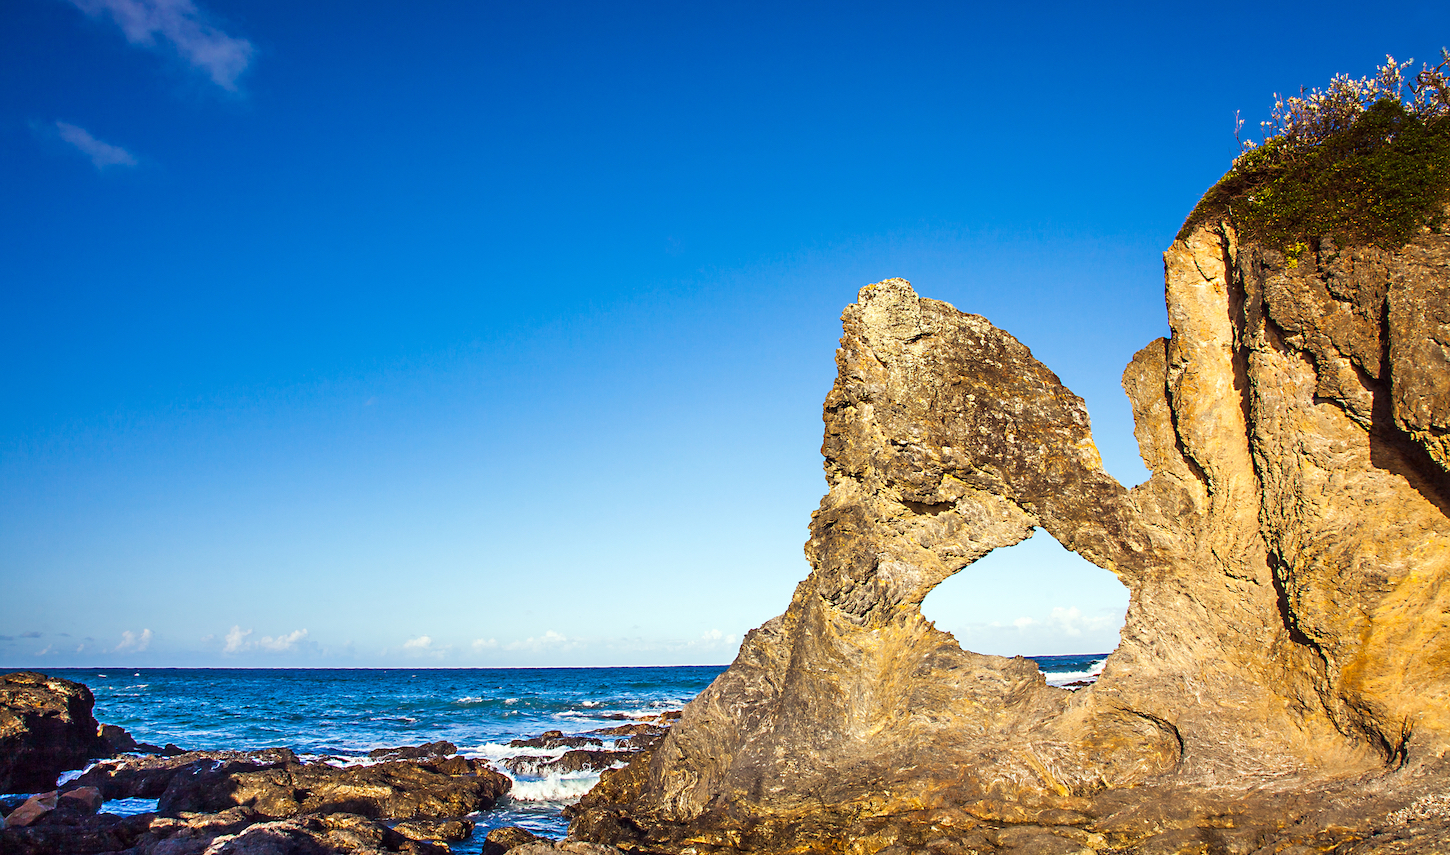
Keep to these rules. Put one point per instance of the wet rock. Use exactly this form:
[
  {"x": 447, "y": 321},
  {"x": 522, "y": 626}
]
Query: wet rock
[
  {"x": 574, "y": 760},
  {"x": 389, "y": 790},
  {"x": 501, "y": 840},
  {"x": 307, "y": 835},
  {"x": 85, "y": 800},
  {"x": 638, "y": 743},
  {"x": 553, "y": 739},
  {"x": 148, "y": 776},
  {"x": 457, "y": 766},
  {"x": 447, "y": 830},
  {"x": 639, "y": 729},
  {"x": 414, "y": 752},
  {"x": 46, "y": 728},
  {"x": 32, "y": 809},
  {"x": 564, "y": 847}
]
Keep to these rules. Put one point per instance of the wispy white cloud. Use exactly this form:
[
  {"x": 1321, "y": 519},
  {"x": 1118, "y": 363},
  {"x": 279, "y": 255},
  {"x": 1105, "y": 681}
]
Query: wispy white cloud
[
  {"x": 236, "y": 640},
  {"x": 550, "y": 640},
  {"x": 422, "y": 642},
  {"x": 282, "y": 642},
  {"x": 481, "y": 644},
  {"x": 181, "y": 24},
  {"x": 102, "y": 154},
  {"x": 133, "y": 643}
]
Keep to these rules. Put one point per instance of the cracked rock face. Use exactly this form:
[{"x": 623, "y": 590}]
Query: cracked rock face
[{"x": 1284, "y": 668}]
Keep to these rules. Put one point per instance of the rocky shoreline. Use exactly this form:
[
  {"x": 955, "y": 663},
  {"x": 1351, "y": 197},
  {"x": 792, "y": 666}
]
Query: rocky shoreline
[{"x": 411, "y": 799}]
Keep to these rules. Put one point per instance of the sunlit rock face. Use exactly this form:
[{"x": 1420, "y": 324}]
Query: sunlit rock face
[{"x": 1284, "y": 667}]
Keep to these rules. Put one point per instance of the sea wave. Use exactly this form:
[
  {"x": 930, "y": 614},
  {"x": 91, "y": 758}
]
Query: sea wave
[
  {"x": 1063, "y": 678},
  {"x": 553, "y": 788}
]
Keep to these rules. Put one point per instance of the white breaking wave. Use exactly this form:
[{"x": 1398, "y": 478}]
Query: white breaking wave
[
  {"x": 1062, "y": 678},
  {"x": 554, "y": 788}
]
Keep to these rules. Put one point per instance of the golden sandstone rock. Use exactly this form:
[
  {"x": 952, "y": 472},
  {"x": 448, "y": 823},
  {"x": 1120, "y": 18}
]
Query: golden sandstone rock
[{"x": 1283, "y": 681}]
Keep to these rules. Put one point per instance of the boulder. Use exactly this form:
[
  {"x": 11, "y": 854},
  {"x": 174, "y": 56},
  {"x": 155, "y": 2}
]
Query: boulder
[
  {"x": 501, "y": 840},
  {"x": 148, "y": 776},
  {"x": 46, "y": 728},
  {"x": 32, "y": 810},
  {"x": 85, "y": 800},
  {"x": 388, "y": 790},
  {"x": 446, "y": 830},
  {"x": 303, "y": 835},
  {"x": 65, "y": 833}
]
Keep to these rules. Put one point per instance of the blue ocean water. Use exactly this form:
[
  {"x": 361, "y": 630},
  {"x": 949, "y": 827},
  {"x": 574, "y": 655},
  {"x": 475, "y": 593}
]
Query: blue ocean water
[{"x": 344, "y": 713}]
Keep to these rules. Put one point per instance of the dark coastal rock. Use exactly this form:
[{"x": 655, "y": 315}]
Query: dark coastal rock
[
  {"x": 446, "y": 830},
  {"x": 389, "y": 790},
  {"x": 564, "y": 847},
  {"x": 573, "y": 760},
  {"x": 414, "y": 752},
  {"x": 1281, "y": 682},
  {"x": 638, "y": 729},
  {"x": 638, "y": 743},
  {"x": 303, "y": 835},
  {"x": 552, "y": 739},
  {"x": 46, "y": 728},
  {"x": 67, "y": 833},
  {"x": 501, "y": 840},
  {"x": 148, "y": 776}
]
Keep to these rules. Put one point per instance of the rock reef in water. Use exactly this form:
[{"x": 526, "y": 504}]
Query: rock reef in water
[{"x": 1283, "y": 678}]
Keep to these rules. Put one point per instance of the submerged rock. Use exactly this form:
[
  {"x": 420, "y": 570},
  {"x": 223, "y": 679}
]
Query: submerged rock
[{"x": 1281, "y": 679}]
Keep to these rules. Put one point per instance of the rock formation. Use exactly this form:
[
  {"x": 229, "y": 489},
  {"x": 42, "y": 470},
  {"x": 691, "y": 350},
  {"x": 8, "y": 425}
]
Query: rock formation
[
  {"x": 1283, "y": 678},
  {"x": 46, "y": 727}
]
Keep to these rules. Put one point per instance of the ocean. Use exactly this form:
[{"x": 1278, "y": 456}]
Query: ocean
[{"x": 344, "y": 713}]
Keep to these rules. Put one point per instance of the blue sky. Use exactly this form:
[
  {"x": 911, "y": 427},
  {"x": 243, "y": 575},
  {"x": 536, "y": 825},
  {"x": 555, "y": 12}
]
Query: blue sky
[{"x": 476, "y": 334}]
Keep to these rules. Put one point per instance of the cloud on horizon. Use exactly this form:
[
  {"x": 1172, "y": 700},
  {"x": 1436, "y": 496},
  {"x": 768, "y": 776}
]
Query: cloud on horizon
[
  {"x": 181, "y": 24},
  {"x": 236, "y": 641},
  {"x": 132, "y": 643},
  {"x": 102, "y": 154}
]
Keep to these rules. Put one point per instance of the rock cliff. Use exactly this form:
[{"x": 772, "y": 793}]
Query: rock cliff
[{"x": 1283, "y": 678}]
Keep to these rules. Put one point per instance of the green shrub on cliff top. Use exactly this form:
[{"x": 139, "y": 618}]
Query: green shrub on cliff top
[{"x": 1365, "y": 161}]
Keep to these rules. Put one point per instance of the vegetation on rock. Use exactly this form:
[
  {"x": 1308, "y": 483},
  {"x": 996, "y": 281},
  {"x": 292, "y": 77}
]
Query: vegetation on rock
[{"x": 1365, "y": 161}]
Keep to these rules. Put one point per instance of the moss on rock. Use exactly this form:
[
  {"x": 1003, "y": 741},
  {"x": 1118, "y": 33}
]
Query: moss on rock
[{"x": 1376, "y": 182}]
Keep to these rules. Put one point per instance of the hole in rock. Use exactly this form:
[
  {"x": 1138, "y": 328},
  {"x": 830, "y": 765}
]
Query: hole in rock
[{"x": 1034, "y": 599}]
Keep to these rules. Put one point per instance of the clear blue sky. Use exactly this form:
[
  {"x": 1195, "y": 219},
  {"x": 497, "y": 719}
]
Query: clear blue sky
[{"x": 497, "y": 334}]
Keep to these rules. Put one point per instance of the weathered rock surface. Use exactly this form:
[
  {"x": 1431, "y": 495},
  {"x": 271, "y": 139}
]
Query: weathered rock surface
[
  {"x": 303, "y": 835},
  {"x": 501, "y": 840},
  {"x": 148, "y": 776},
  {"x": 46, "y": 727},
  {"x": 389, "y": 790},
  {"x": 1283, "y": 673},
  {"x": 415, "y": 752},
  {"x": 448, "y": 830},
  {"x": 573, "y": 760},
  {"x": 552, "y": 739}
]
